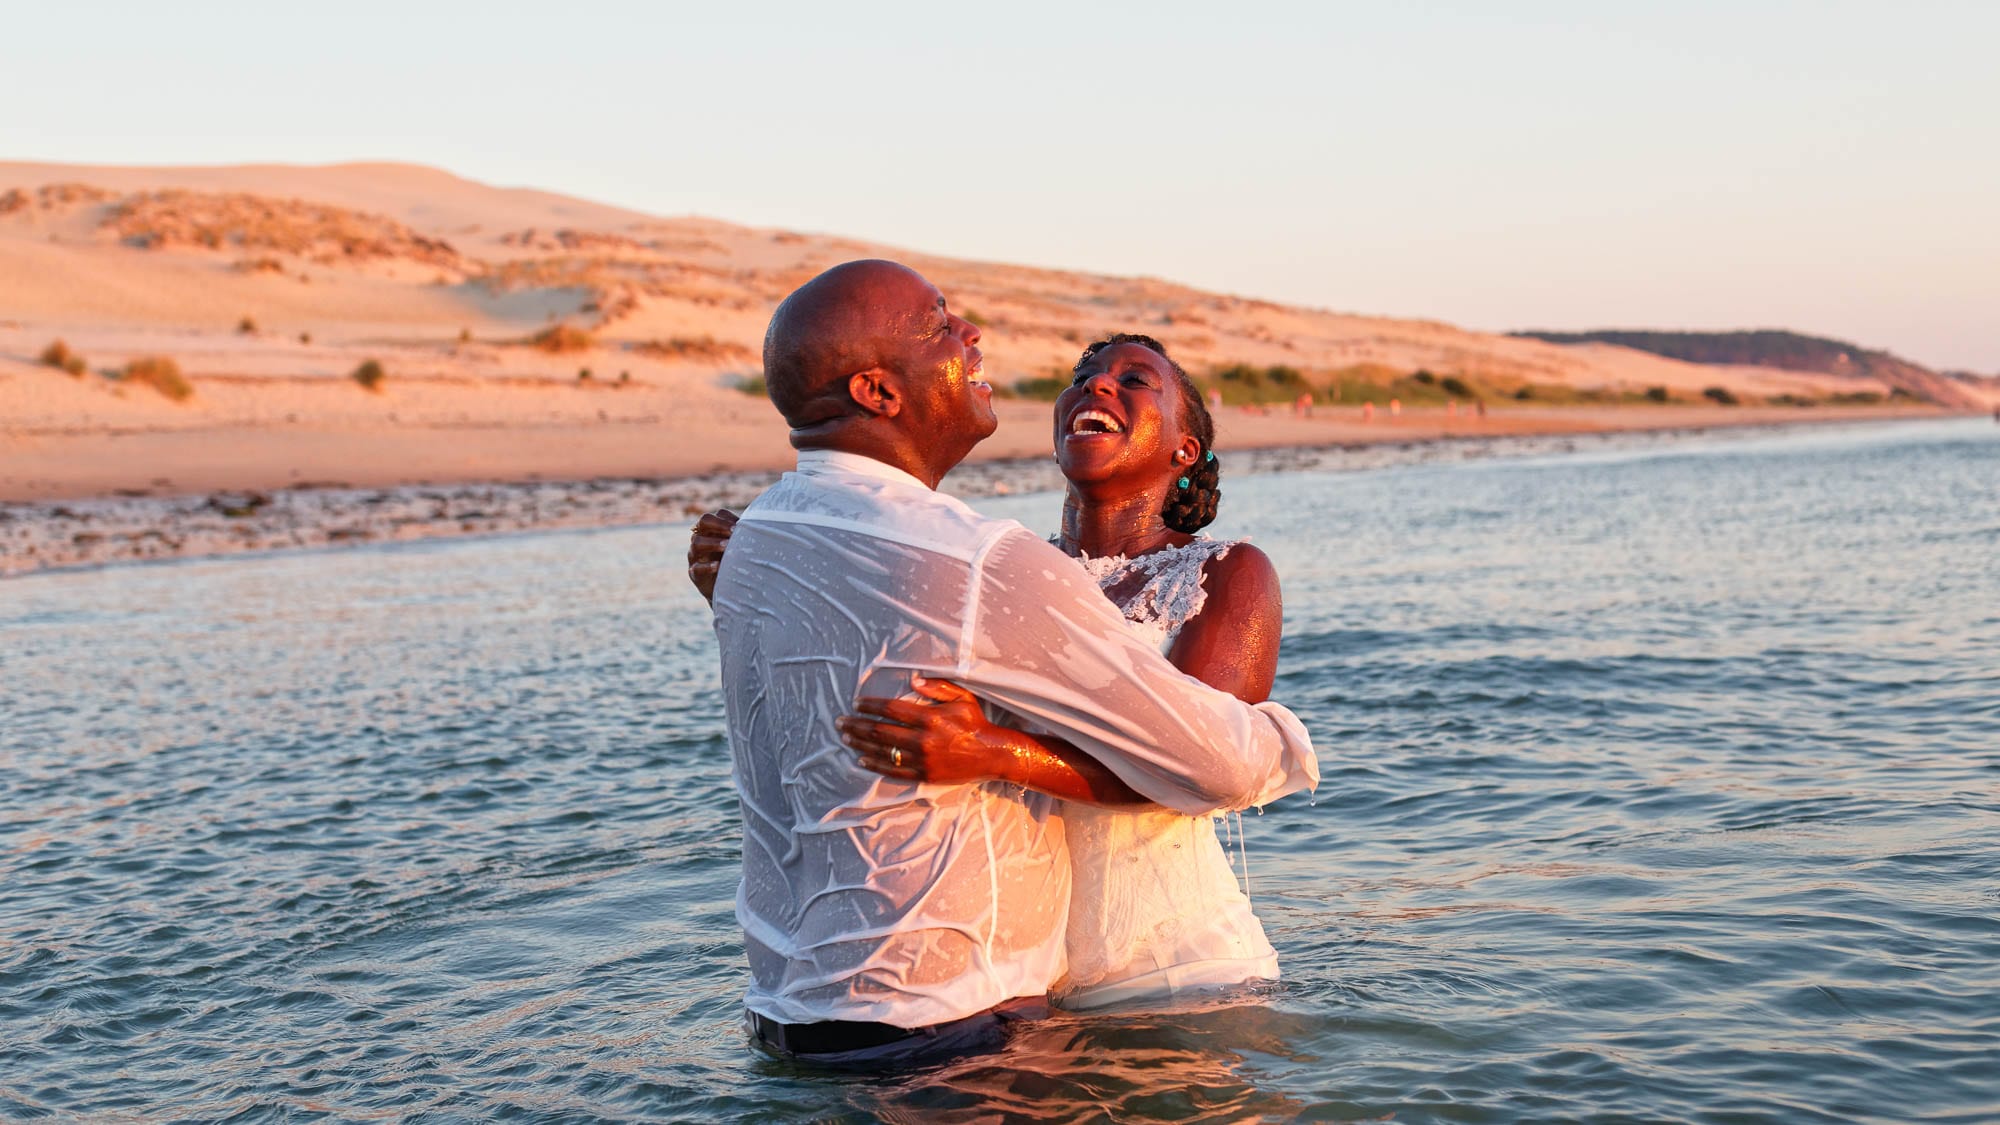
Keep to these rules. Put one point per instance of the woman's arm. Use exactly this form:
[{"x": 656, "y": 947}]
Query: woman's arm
[{"x": 706, "y": 545}]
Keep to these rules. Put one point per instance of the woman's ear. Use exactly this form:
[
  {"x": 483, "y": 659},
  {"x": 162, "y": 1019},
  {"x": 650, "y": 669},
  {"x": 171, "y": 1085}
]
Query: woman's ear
[
  {"x": 1187, "y": 451},
  {"x": 873, "y": 391}
]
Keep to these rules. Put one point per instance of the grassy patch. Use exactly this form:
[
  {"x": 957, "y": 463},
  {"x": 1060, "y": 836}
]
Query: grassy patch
[
  {"x": 58, "y": 356},
  {"x": 752, "y": 384},
  {"x": 560, "y": 338},
  {"x": 704, "y": 349},
  {"x": 160, "y": 373},
  {"x": 1039, "y": 388}
]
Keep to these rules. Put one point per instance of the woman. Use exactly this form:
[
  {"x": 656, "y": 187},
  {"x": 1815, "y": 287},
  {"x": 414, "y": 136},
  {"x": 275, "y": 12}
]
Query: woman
[{"x": 1155, "y": 908}]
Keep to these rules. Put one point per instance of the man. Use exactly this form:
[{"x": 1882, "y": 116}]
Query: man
[{"x": 884, "y": 919}]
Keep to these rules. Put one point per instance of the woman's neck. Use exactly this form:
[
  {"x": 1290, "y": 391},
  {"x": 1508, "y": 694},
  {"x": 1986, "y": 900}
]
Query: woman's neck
[{"x": 1103, "y": 527}]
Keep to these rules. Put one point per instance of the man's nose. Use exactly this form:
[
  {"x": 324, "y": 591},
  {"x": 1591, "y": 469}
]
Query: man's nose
[{"x": 966, "y": 329}]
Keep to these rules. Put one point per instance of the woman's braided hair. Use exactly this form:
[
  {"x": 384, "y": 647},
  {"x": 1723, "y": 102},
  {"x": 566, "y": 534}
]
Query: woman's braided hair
[{"x": 1192, "y": 508}]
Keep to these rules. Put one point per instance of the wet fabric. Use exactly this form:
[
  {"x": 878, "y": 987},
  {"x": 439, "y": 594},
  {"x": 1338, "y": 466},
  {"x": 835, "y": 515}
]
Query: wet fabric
[
  {"x": 874, "y": 899},
  {"x": 1155, "y": 908}
]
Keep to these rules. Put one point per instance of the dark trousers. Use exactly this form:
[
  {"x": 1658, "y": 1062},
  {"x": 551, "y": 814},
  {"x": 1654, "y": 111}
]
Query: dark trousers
[{"x": 847, "y": 1043}]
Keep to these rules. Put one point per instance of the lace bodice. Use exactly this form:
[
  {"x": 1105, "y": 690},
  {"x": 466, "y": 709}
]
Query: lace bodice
[{"x": 1160, "y": 591}]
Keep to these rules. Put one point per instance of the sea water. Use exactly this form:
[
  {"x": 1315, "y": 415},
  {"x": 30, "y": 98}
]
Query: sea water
[{"x": 1660, "y": 785}]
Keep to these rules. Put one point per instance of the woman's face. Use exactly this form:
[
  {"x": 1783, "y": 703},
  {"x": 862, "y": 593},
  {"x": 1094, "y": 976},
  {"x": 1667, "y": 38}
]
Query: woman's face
[{"x": 1120, "y": 419}]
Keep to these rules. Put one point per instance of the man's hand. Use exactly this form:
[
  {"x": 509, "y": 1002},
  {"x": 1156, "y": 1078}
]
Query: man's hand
[{"x": 705, "y": 548}]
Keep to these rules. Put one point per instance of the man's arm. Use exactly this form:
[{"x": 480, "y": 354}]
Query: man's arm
[{"x": 1045, "y": 644}]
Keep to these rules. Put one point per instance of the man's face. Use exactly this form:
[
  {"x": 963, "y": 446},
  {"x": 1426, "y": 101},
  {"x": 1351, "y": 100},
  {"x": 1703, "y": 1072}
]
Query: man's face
[{"x": 943, "y": 372}]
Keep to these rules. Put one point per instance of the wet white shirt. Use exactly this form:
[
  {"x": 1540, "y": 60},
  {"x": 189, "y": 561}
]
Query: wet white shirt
[{"x": 868, "y": 898}]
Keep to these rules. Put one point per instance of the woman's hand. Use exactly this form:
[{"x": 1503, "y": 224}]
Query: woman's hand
[
  {"x": 944, "y": 738},
  {"x": 705, "y": 547}
]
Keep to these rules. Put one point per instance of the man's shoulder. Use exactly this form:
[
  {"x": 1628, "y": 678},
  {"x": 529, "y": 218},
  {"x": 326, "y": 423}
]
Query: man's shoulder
[{"x": 883, "y": 510}]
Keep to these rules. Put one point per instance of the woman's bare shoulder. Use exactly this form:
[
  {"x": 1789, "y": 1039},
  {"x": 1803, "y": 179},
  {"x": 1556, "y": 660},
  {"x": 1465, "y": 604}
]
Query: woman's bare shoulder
[{"x": 1242, "y": 577}]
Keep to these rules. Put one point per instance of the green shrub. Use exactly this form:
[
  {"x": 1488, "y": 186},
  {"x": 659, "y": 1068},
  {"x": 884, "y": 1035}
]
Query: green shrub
[
  {"x": 1240, "y": 373},
  {"x": 1722, "y": 396},
  {"x": 161, "y": 374},
  {"x": 369, "y": 375},
  {"x": 1423, "y": 376},
  {"x": 1456, "y": 387},
  {"x": 246, "y": 326},
  {"x": 752, "y": 384},
  {"x": 1041, "y": 388},
  {"x": 58, "y": 356},
  {"x": 1656, "y": 394}
]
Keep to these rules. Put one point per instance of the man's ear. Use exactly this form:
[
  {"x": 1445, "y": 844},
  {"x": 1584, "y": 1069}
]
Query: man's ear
[{"x": 875, "y": 391}]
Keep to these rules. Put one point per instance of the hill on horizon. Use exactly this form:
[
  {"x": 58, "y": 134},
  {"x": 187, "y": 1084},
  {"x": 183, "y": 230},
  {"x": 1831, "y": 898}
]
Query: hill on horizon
[{"x": 1769, "y": 347}]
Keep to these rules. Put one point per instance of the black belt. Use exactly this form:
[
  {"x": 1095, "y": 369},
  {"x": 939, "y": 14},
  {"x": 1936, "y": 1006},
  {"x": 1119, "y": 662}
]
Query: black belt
[{"x": 828, "y": 1037}]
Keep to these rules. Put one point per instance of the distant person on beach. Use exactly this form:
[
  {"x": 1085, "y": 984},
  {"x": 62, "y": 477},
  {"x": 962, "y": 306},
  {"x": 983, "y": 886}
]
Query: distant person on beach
[{"x": 889, "y": 919}]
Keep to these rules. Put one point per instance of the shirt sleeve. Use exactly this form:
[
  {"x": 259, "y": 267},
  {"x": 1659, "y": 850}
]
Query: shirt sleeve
[{"x": 1043, "y": 642}]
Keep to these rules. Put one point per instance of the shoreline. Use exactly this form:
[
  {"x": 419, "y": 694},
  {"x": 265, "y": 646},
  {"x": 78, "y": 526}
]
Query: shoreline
[{"x": 130, "y": 525}]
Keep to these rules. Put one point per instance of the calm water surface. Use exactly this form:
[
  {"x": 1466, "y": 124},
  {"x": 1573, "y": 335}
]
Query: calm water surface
[{"x": 1660, "y": 785}]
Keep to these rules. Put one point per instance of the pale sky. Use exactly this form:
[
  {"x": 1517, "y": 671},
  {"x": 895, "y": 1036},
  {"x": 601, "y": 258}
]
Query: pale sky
[{"x": 1828, "y": 167}]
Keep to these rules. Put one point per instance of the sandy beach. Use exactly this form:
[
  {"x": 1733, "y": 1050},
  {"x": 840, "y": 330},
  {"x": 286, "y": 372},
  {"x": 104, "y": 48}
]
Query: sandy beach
[
  {"x": 108, "y": 497},
  {"x": 211, "y": 359}
]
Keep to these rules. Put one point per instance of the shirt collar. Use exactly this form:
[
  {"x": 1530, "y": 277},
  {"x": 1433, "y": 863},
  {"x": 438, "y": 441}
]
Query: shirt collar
[{"x": 834, "y": 460}]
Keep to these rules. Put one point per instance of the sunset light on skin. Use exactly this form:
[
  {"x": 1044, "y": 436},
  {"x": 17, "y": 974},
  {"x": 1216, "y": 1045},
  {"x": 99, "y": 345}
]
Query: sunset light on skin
[{"x": 1827, "y": 168}]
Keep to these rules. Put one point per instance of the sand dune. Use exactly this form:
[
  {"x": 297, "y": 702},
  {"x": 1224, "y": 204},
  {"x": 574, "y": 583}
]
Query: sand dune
[{"x": 269, "y": 284}]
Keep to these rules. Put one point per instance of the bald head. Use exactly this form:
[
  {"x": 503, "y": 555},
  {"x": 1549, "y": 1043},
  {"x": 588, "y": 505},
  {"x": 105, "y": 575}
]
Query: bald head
[
  {"x": 866, "y": 359},
  {"x": 853, "y": 317}
]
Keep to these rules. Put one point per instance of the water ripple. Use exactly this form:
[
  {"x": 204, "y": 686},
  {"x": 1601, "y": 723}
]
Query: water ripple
[{"x": 1659, "y": 786}]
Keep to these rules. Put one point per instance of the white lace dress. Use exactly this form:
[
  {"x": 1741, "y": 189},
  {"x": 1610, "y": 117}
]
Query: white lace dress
[{"x": 1155, "y": 908}]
